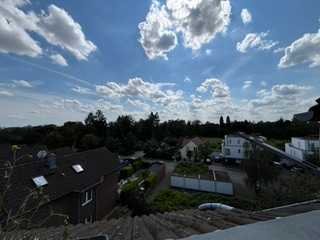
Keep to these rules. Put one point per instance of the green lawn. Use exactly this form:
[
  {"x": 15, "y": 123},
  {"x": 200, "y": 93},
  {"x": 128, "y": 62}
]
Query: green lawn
[
  {"x": 191, "y": 169},
  {"x": 172, "y": 200}
]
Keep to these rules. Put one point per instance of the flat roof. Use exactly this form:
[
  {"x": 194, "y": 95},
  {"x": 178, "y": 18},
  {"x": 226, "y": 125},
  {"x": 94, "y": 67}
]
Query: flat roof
[{"x": 297, "y": 227}]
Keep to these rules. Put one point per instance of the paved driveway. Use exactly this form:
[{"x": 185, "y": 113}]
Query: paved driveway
[
  {"x": 165, "y": 183},
  {"x": 238, "y": 178}
]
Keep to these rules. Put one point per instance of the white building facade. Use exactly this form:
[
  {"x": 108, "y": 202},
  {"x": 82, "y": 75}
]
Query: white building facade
[
  {"x": 302, "y": 148},
  {"x": 233, "y": 147},
  {"x": 189, "y": 150}
]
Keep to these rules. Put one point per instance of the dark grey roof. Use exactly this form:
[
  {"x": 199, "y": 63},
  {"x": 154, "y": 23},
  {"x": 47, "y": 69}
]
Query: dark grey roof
[
  {"x": 179, "y": 224},
  {"x": 64, "y": 179},
  {"x": 171, "y": 225}
]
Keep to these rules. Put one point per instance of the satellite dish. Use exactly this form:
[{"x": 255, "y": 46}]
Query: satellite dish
[{"x": 42, "y": 154}]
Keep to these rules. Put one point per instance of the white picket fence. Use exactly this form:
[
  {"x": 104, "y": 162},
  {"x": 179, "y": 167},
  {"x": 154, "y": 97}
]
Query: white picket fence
[{"x": 203, "y": 185}]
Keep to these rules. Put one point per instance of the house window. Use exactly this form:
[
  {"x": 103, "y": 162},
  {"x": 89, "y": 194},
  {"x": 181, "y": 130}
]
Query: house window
[
  {"x": 227, "y": 151},
  {"x": 238, "y": 141},
  {"x": 239, "y": 151},
  {"x": 86, "y": 197}
]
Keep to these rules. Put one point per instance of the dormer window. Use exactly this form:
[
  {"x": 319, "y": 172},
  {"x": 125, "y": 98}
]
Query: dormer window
[
  {"x": 77, "y": 168},
  {"x": 40, "y": 181}
]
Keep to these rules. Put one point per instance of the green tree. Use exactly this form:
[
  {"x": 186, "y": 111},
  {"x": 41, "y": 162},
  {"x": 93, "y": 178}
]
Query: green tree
[
  {"x": 221, "y": 121},
  {"x": 259, "y": 167},
  {"x": 89, "y": 141},
  {"x": 98, "y": 123},
  {"x": 204, "y": 151}
]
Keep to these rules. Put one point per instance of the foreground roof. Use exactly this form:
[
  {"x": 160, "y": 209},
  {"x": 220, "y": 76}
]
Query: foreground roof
[
  {"x": 298, "y": 227},
  {"x": 187, "y": 223}
]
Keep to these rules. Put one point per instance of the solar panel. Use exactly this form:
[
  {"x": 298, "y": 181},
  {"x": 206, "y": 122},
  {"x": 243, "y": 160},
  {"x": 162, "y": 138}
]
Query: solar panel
[
  {"x": 40, "y": 181},
  {"x": 78, "y": 168}
]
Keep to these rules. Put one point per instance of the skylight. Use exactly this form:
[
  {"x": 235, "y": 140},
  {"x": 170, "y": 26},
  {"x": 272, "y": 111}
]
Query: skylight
[
  {"x": 78, "y": 168},
  {"x": 40, "y": 181}
]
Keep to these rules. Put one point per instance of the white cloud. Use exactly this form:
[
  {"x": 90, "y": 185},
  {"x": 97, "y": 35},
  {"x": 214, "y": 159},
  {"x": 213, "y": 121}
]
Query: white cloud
[
  {"x": 81, "y": 90},
  {"x": 6, "y": 93},
  {"x": 137, "y": 87},
  {"x": 22, "y": 83},
  {"x": 14, "y": 39},
  {"x": 198, "y": 21},
  {"x": 187, "y": 79},
  {"x": 216, "y": 87},
  {"x": 140, "y": 104},
  {"x": 279, "y": 50},
  {"x": 156, "y": 37},
  {"x": 281, "y": 101},
  {"x": 255, "y": 40},
  {"x": 305, "y": 50},
  {"x": 59, "y": 59},
  {"x": 246, "y": 84},
  {"x": 57, "y": 27},
  {"x": 246, "y": 16}
]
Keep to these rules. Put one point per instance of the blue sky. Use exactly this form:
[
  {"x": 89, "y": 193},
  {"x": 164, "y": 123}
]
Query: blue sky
[{"x": 187, "y": 59}]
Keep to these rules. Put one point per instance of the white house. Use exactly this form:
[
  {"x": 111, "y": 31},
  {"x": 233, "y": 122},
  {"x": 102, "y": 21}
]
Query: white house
[
  {"x": 233, "y": 147},
  {"x": 189, "y": 150},
  {"x": 301, "y": 148}
]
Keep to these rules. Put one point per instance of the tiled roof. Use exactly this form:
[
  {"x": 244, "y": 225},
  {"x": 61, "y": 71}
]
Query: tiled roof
[
  {"x": 171, "y": 225},
  {"x": 63, "y": 180},
  {"x": 195, "y": 140}
]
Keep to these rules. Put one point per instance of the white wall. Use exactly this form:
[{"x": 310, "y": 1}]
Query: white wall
[
  {"x": 202, "y": 185},
  {"x": 233, "y": 147},
  {"x": 190, "y": 146},
  {"x": 305, "y": 144},
  {"x": 295, "y": 152}
]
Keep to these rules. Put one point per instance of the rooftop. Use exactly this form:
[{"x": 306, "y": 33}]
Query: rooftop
[
  {"x": 63, "y": 180},
  {"x": 190, "y": 223}
]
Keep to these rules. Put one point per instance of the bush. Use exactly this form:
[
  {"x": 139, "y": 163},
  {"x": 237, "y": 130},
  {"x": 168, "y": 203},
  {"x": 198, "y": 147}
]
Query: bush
[
  {"x": 126, "y": 172},
  {"x": 172, "y": 200},
  {"x": 151, "y": 181},
  {"x": 191, "y": 169}
]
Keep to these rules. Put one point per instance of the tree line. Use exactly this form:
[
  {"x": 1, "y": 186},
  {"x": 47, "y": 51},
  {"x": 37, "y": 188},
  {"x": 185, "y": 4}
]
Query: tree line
[{"x": 126, "y": 135}]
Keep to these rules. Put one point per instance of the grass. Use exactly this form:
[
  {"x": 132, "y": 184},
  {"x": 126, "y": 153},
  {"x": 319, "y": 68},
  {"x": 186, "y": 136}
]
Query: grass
[
  {"x": 278, "y": 143},
  {"x": 191, "y": 169},
  {"x": 172, "y": 200}
]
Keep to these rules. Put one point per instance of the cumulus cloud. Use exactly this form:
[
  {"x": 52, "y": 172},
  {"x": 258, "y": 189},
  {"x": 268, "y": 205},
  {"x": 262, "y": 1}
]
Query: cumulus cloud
[
  {"x": 246, "y": 84},
  {"x": 6, "y": 93},
  {"x": 280, "y": 100},
  {"x": 59, "y": 59},
  {"x": 305, "y": 50},
  {"x": 187, "y": 79},
  {"x": 81, "y": 90},
  {"x": 22, "y": 83},
  {"x": 246, "y": 16},
  {"x": 216, "y": 87},
  {"x": 137, "y": 87},
  {"x": 255, "y": 40},
  {"x": 198, "y": 21},
  {"x": 156, "y": 37},
  {"x": 14, "y": 39},
  {"x": 57, "y": 28}
]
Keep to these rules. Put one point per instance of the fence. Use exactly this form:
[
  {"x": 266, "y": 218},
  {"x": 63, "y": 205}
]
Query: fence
[{"x": 204, "y": 185}]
